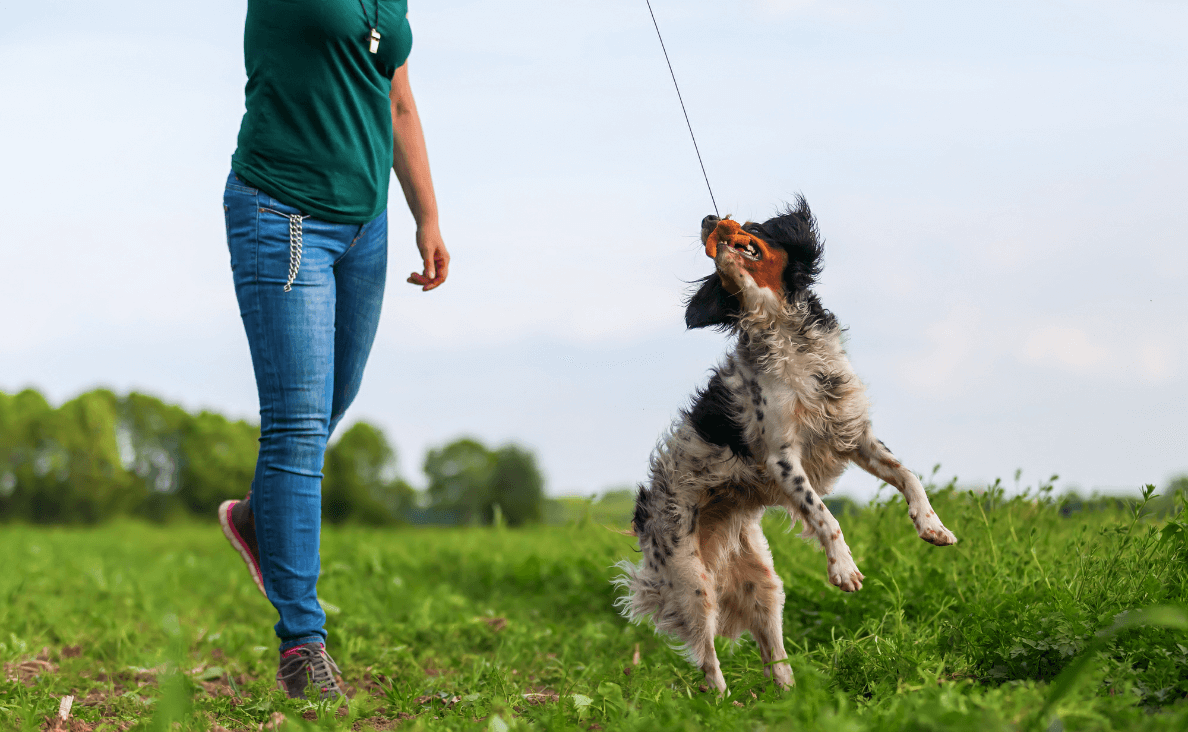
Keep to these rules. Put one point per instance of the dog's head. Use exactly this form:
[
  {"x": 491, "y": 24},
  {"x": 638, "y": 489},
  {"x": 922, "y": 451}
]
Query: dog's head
[{"x": 759, "y": 267}]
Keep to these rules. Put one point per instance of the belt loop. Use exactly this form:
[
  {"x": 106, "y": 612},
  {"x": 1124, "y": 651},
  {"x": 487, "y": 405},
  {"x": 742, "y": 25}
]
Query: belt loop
[{"x": 294, "y": 248}]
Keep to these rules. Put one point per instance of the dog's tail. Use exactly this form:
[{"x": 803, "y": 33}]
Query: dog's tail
[
  {"x": 641, "y": 596},
  {"x": 624, "y": 532},
  {"x": 641, "y": 591}
]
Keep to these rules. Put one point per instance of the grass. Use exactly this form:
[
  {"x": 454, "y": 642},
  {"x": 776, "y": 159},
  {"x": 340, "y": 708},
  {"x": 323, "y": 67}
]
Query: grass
[{"x": 441, "y": 629}]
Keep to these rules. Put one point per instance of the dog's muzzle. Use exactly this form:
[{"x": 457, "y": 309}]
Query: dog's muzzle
[{"x": 708, "y": 224}]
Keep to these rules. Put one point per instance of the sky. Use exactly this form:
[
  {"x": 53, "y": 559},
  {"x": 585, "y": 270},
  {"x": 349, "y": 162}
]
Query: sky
[{"x": 1000, "y": 187}]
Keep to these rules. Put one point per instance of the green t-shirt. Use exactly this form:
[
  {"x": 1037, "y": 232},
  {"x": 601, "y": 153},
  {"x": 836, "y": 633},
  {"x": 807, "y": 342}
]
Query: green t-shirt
[{"x": 317, "y": 134}]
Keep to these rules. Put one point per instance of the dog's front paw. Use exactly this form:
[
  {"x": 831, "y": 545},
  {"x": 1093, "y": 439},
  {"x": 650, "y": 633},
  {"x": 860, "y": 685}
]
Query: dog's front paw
[
  {"x": 931, "y": 530},
  {"x": 843, "y": 573}
]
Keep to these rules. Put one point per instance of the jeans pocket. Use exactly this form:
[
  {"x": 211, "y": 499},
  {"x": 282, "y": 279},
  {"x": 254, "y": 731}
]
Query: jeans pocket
[{"x": 294, "y": 222}]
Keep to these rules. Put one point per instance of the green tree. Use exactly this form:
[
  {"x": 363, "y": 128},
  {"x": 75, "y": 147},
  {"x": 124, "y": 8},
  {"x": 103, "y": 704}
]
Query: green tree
[
  {"x": 517, "y": 486},
  {"x": 217, "y": 461},
  {"x": 65, "y": 465},
  {"x": 360, "y": 482},
  {"x": 469, "y": 481},
  {"x": 25, "y": 433},
  {"x": 460, "y": 479},
  {"x": 150, "y": 435},
  {"x": 97, "y": 483}
]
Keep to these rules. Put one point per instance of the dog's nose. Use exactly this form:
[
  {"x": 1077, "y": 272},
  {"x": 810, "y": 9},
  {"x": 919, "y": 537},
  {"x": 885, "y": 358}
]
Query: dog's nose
[{"x": 709, "y": 222}]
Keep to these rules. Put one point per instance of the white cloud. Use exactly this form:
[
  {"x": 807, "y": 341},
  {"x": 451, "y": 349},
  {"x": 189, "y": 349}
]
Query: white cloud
[
  {"x": 955, "y": 341},
  {"x": 1065, "y": 348},
  {"x": 1113, "y": 353},
  {"x": 1156, "y": 362},
  {"x": 838, "y": 9}
]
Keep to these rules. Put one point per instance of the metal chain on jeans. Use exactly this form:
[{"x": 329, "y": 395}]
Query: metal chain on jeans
[{"x": 294, "y": 248}]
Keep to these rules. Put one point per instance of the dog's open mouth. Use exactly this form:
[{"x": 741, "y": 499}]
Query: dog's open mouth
[{"x": 746, "y": 249}]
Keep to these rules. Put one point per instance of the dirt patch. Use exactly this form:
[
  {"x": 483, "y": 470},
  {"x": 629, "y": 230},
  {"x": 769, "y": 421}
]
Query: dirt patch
[
  {"x": 216, "y": 727},
  {"x": 311, "y": 715},
  {"x": 541, "y": 695},
  {"x": 55, "y": 724},
  {"x": 380, "y": 724},
  {"x": 372, "y": 682},
  {"x": 220, "y": 687},
  {"x": 444, "y": 698},
  {"x": 496, "y": 624},
  {"x": 27, "y": 672},
  {"x": 276, "y": 722}
]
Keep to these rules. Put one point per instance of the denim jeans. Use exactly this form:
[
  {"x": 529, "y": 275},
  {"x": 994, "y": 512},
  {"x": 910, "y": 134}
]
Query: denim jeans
[{"x": 309, "y": 294}]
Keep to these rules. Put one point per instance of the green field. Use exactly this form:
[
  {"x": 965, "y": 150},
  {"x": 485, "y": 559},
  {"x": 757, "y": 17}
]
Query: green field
[{"x": 497, "y": 629}]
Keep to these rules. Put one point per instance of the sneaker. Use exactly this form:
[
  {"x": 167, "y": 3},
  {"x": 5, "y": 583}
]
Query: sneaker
[
  {"x": 239, "y": 526},
  {"x": 305, "y": 665}
]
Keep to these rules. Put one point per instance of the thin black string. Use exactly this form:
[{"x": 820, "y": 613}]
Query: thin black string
[
  {"x": 364, "y": 7},
  {"x": 678, "y": 91}
]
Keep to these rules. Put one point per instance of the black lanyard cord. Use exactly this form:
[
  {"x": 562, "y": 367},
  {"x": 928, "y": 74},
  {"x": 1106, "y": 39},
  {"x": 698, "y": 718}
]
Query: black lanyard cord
[{"x": 364, "y": 9}]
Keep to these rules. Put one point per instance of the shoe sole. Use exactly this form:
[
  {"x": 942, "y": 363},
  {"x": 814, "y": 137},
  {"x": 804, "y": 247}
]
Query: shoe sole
[{"x": 240, "y": 545}]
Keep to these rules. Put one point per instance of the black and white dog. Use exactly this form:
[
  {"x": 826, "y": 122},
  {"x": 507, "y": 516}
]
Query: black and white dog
[{"x": 779, "y": 422}]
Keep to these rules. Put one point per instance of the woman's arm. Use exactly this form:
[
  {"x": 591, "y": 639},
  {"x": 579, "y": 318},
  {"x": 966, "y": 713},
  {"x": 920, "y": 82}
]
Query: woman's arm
[{"x": 411, "y": 163}]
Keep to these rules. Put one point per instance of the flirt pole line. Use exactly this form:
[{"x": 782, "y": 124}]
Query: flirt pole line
[{"x": 682, "y": 100}]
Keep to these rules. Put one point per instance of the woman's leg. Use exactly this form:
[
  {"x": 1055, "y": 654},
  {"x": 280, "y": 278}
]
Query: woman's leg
[
  {"x": 359, "y": 275},
  {"x": 292, "y": 339}
]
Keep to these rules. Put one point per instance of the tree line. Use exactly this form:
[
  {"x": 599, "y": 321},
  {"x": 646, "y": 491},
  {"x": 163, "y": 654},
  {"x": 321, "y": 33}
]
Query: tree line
[{"x": 101, "y": 455}]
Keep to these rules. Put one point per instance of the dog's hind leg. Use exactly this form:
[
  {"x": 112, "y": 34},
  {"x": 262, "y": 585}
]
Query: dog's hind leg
[
  {"x": 686, "y": 601},
  {"x": 690, "y": 610},
  {"x": 761, "y": 597},
  {"x": 700, "y": 605},
  {"x": 875, "y": 458}
]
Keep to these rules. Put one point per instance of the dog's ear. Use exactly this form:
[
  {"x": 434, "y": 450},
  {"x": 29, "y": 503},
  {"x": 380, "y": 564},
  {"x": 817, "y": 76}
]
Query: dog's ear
[
  {"x": 795, "y": 229},
  {"x": 711, "y": 305}
]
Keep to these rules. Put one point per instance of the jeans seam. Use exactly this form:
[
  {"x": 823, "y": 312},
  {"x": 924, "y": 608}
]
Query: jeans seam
[
  {"x": 270, "y": 376},
  {"x": 344, "y": 254},
  {"x": 268, "y": 551},
  {"x": 351, "y": 246},
  {"x": 256, "y": 249}
]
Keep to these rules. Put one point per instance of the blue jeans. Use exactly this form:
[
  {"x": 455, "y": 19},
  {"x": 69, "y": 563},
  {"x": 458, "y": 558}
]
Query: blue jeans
[{"x": 309, "y": 293}]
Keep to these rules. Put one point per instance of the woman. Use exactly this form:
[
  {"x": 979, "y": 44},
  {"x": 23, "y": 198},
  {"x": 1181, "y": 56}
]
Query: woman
[{"x": 329, "y": 112}]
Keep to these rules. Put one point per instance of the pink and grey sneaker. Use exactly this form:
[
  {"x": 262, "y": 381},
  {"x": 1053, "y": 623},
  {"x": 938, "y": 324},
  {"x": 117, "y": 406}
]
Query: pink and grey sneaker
[
  {"x": 308, "y": 669},
  {"x": 239, "y": 526}
]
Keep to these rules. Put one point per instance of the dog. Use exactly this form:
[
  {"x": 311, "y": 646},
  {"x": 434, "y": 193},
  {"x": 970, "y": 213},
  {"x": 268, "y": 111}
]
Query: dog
[{"x": 778, "y": 423}]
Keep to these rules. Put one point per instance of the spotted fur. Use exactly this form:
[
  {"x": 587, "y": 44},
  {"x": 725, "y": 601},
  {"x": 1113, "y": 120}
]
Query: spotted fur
[{"x": 780, "y": 420}]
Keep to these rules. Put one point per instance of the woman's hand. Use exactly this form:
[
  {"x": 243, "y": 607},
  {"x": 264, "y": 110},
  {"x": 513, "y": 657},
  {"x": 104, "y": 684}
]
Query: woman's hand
[
  {"x": 434, "y": 255},
  {"x": 411, "y": 164}
]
